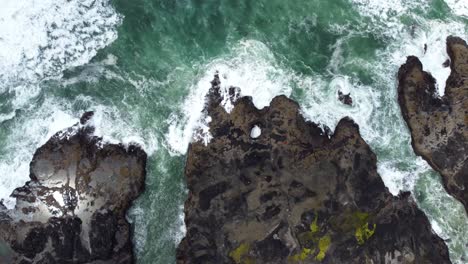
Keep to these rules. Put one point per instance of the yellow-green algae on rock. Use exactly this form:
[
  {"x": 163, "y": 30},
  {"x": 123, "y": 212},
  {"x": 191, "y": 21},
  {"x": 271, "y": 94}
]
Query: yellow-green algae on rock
[
  {"x": 267, "y": 194},
  {"x": 359, "y": 221},
  {"x": 313, "y": 226},
  {"x": 322, "y": 243},
  {"x": 239, "y": 254},
  {"x": 363, "y": 233},
  {"x": 303, "y": 255}
]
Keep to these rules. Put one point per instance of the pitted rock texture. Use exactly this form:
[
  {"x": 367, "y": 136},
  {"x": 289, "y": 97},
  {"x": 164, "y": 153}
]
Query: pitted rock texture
[
  {"x": 294, "y": 194},
  {"x": 73, "y": 209},
  {"x": 439, "y": 125}
]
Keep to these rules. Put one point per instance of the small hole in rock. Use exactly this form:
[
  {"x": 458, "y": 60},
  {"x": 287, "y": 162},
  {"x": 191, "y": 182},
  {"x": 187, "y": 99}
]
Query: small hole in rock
[{"x": 255, "y": 132}]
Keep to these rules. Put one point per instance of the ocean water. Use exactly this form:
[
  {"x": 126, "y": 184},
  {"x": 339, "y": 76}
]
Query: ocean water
[{"x": 144, "y": 67}]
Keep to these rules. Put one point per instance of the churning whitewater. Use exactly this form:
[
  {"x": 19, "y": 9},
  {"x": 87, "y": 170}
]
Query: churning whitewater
[
  {"x": 59, "y": 35},
  {"x": 145, "y": 67}
]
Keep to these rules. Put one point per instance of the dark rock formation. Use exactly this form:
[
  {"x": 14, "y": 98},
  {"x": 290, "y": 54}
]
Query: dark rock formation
[
  {"x": 446, "y": 63},
  {"x": 439, "y": 125},
  {"x": 294, "y": 194},
  {"x": 73, "y": 209},
  {"x": 345, "y": 98}
]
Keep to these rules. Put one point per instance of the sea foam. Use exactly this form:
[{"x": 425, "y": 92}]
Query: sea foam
[
  {"x": 252, "y": 67},
  {"x": 459, "y": 7},
  {"x": 38, "y": 40},
  {"x": 35, "y": 126}
]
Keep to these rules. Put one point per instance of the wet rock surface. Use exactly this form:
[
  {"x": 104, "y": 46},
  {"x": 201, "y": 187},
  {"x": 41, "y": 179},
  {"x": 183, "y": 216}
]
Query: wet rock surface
[
  {"x": 345, "y": 98},
  {"x": 294, "y": 194},
  {"x": 73, "y": 208},
  {"x": 439, "y": 125}
]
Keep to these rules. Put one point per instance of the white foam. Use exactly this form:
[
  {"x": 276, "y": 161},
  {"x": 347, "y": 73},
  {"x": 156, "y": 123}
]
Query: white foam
[
  {"x": 446, "y": 214},
  {"x": 37, "y": 125},
  {"x": 385, "y": 14},
  {"x": 255, "y": 132},
  {"x": 59, "y": 198},
  {"x": 436, "y": 227},
  {"x": 398, "y": 166},
  {"x": 28, "y": 134},
  {"x": 179, "y": 229},
  {"x": 137, "y": 216},
  {"x": 396, "y": 179},
  {"x": 252, "y": 67},
  {"x": 116, "y": 128},
  {"x": 374, "y": 107},
  {"x": 41, "y": 38},
  {"x": 459, "y": 7},
  {"x": 322, "y": 105},
  {"x": 431, "y": 34},
  {"x": 5, "y": 117},
  {"x": 383, "y": 9},
  {"x": 405, "y": 41}
]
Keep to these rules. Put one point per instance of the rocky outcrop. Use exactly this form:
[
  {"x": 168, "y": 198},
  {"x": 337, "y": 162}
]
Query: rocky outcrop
[
  {"x": 439, "y": 125},
  {"x": 345, "y": 98},
  {"x": 290, "y": 193},
  {"x": 73, "y": 208}
]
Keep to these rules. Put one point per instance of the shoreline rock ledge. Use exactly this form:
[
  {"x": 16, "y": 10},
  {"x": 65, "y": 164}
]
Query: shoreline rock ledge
[
  {"x": 73, "y": 208},
  {"x": 439, "y": 125},
  {"x": 292, "y": 193}
]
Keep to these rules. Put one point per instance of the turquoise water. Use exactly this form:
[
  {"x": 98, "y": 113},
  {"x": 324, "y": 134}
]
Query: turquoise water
[{"x": 147, "y": 64}]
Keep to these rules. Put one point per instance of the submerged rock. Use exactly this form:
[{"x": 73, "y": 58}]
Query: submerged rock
[
  {"x": 73, "y": 209},
  {"x": 294, "y": 194},
  {"x": 439, "y": 125},
  {"x": 345, "y": 98}
]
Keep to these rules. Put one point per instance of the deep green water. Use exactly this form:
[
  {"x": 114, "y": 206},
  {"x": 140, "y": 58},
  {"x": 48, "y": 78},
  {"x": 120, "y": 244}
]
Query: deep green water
[{"x": 147, "y": 85}]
